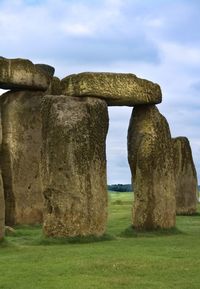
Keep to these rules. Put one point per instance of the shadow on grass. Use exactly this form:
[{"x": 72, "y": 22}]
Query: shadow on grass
[
  {"x": 120, "y": 202},
  {"x": 131, "y": 232},
  {"x": 74, "y": 240},
  {"x": 4, "y": 243},
  {"x": 22, "y": 230},
  {"x": 32, "y": 236},
  {"x": 197, "y": 214}
]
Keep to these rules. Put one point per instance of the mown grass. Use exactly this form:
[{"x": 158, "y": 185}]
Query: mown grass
[{"x": 164, "y": 260}]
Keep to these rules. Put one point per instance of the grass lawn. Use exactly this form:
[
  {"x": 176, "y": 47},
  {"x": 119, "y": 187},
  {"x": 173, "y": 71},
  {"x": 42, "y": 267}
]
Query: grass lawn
[{"x": 148, "y": 260}]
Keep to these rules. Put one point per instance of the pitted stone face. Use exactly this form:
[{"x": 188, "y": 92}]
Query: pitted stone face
[
  {"x": 2, "y": 209},
  {"x": 50, "y": 70},
  {"x": 74, "y": 165},
  {"x": 2, "y": 201},
  {"x": 21, "y": 125},
  {"x": 19, "y": 74},
  {"x": 54, "y": 87},
  {"x": 186, "y": 177},
  {"x": 116, "y": 88},
  {"x": 150, "y": 156}
]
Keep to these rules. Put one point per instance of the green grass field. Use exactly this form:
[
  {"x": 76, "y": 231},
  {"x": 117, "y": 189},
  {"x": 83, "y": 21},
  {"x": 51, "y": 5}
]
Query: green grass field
[{"x": 147, "y": 260}]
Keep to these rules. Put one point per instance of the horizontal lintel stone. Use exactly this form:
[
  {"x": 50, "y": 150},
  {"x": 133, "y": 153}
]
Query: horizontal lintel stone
[
  {"x": 18, "y": 74},
  {"x": 115, "y": 88}
]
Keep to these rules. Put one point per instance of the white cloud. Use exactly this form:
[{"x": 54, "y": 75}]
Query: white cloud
[
  {"x": 157, "y": 40},
  {"x": 155, "y": 23},
  {"x": 181, "y": 54},
  {"x": 77, "y": 29}
]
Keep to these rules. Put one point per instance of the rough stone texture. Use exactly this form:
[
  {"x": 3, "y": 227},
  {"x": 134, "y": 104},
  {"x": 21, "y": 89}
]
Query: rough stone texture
[
  {"x": 50, "y": 70},
  {"x": 74, "y": 166},
  {"x": 21, "y": 124},
  {"x": 2, "y": 201},
  {"x": 115, "y": 88},
  {"x": 186, "y": 177},
  {"x": 54, "y": 87},
  {"x": 21, "y": 74},
  {"x": 2, "y": 209},
  {"x": 150, "y": 156}
]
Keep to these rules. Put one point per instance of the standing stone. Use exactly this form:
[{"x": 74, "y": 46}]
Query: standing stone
[
  {"x": 115, "y": 88},
  {"x": 2, "y": 201},
  {"x": 186, "y": 177},
  {"x": 2, "y": 209},
  {"x": 74, "y": 166},
  {"x": 21, "y": 124},
  {"x": 150, "y": 158}
]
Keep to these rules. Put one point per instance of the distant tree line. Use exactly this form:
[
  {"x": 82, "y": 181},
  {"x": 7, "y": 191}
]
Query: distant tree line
[
  {"x": 120, "y": 188},
  {"x": 124, "y": 188}
]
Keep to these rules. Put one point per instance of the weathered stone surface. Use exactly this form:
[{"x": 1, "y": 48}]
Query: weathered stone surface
[
  {"x": 50, "y": 70},
  {"x": 74, "y": 166},
  {"x": 21, "y": 124},
  {"x": 115, "y": 88},
  {"x": 21, "y": 74},
  {"x": 150, "y": 158},
  {"x": 2, "y": 209},
  {"x": 186, "y": 177},
  {"x": 2, "y": 201},
  {"x": 54, "y": 87}
]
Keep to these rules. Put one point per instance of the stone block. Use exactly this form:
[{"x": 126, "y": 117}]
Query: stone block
[
  {"x": 115, "y": 88},
  {"x": 54, "y": 87},
  {"x": 186, "y": 177},
  {"x": 2, "y": 209},
  {"x": 150, "y": 157},
  {"x": 21, "y": 148},
  {"x": 74, "y": 166},
  {"x": 21, "y": 74},
  {"x": 50, "y": 70}
]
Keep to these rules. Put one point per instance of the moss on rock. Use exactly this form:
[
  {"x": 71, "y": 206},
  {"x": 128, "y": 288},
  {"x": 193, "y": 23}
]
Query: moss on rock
[
  {"x": 186, "y": 177},
  {"x": 74, "y": 166},
  {"x": 115, "y": 88},
  {"x": 19, "y": 74},
  {"x": 21, "y": 124},
  {"x": 150, "y": 158}
]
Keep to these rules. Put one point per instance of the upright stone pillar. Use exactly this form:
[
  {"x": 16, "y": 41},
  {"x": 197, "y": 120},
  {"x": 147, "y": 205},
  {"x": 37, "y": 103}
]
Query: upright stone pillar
[
  {"x": 21, "y": 124},
  {"x": 74, "y": 165},
  {"x": 150, "y": 157},
  {"x": 186, "y": 177},
  {"x": 2, "y": 201},
  {"x": 2, "y": 210}
]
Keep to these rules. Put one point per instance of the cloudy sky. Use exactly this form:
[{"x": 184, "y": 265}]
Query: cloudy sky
[{"x": 154, "y": 39}]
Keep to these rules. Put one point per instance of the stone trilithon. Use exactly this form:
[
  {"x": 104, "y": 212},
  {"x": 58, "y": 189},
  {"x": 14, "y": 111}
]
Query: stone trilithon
[{"x": 53, "y": 158}]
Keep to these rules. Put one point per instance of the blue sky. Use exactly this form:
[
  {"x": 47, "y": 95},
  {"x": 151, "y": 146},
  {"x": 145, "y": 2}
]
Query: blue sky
[{"x": 154, "y": 39}]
